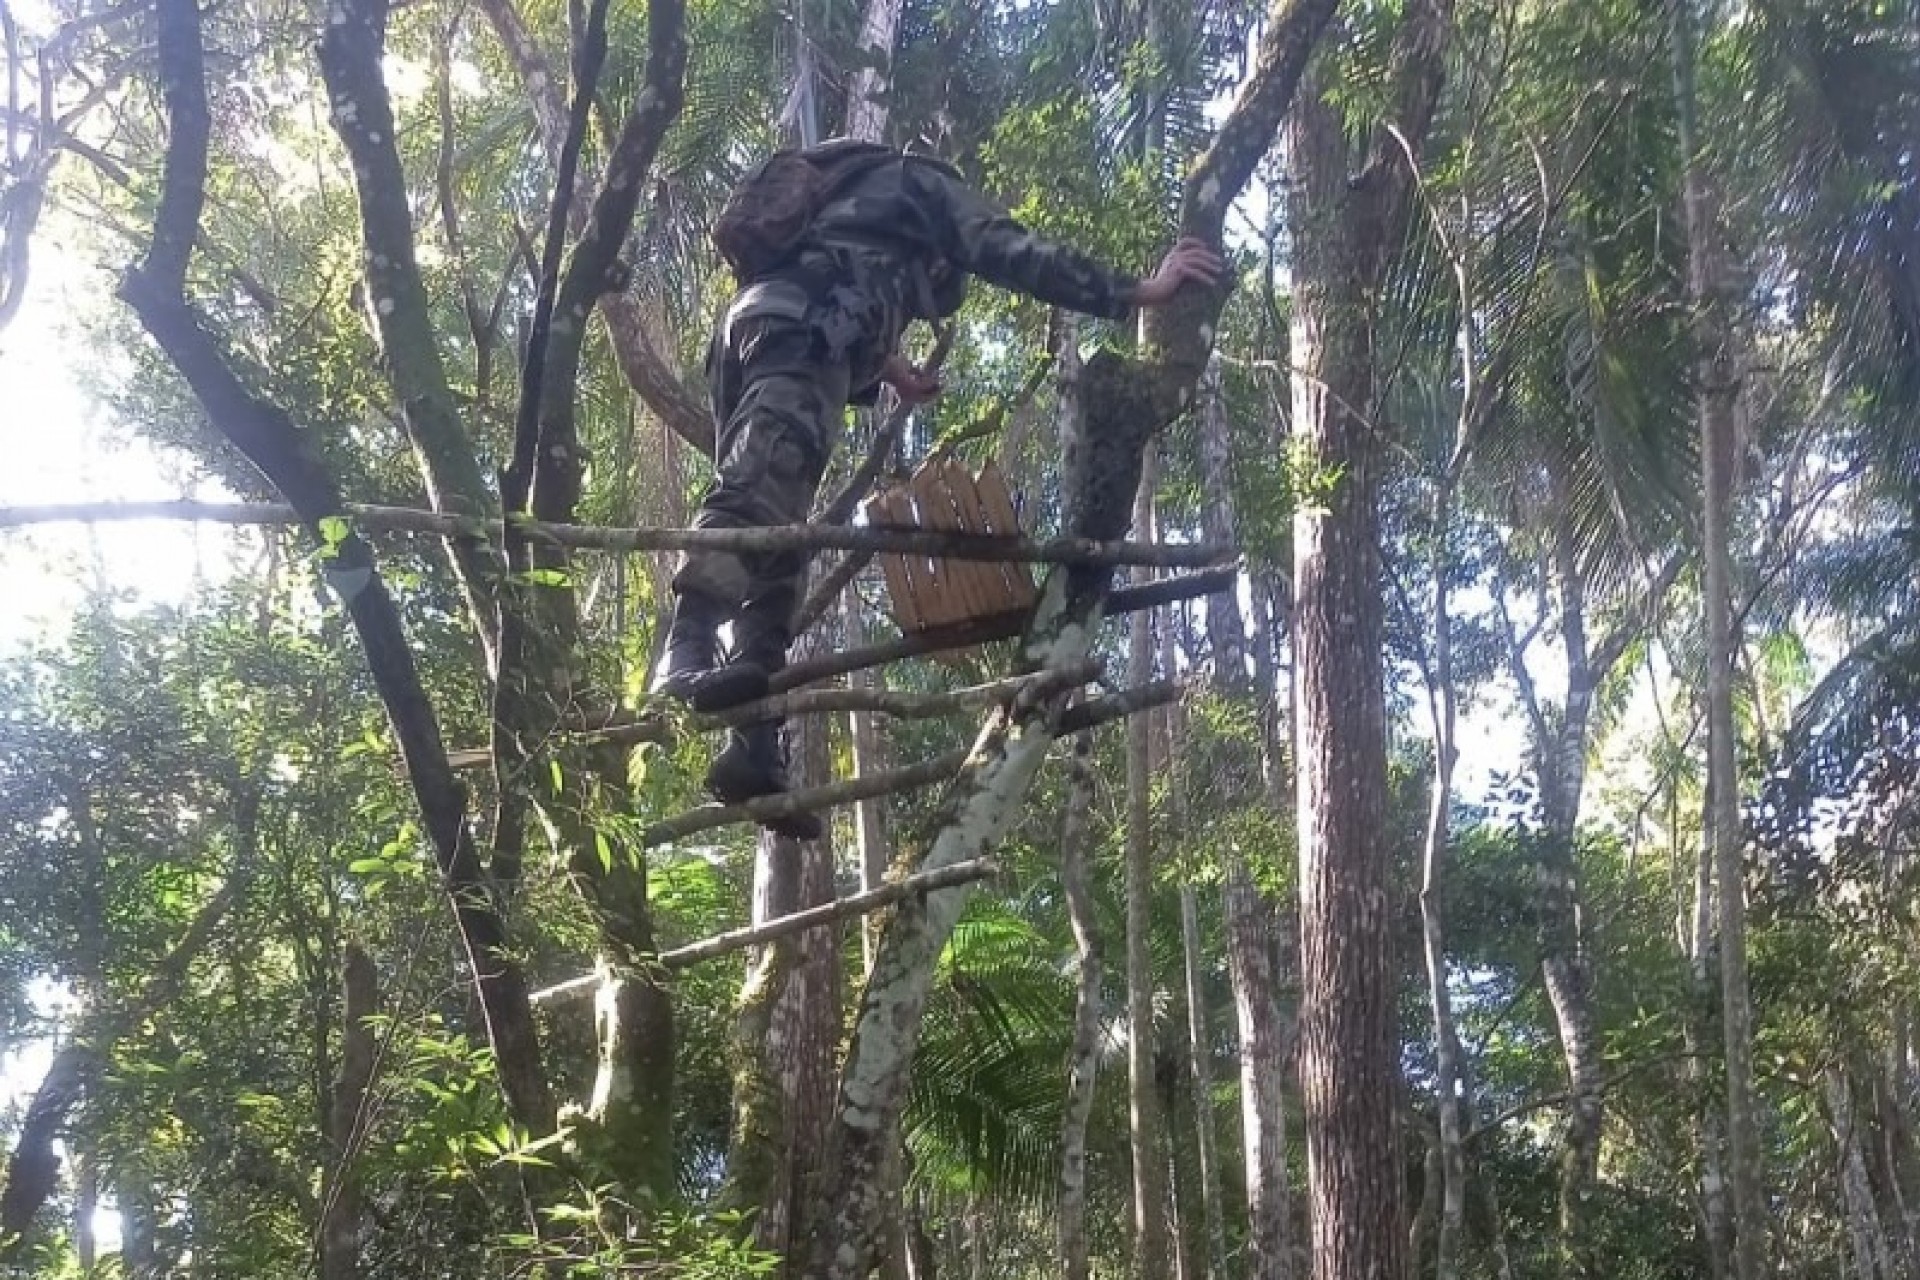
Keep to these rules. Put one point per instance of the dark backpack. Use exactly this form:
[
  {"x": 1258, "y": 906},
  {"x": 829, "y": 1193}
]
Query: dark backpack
[{"x": 770, "y": 212}]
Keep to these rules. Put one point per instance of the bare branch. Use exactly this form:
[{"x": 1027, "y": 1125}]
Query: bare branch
[
  {"x": 799, "y": 537},
  {"x": 267, "y": 436},
  {"x": 786, "y": 926},
  {"x": 787, "y": 804},
  {"x": 352, "y": 49},
  {"x": 645, "y": 370},
  {"x": 981, "y": 631}
]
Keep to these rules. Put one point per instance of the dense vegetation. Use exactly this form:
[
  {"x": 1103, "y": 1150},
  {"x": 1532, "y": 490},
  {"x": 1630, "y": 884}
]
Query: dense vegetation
[{"x": 1518, "y": 884}]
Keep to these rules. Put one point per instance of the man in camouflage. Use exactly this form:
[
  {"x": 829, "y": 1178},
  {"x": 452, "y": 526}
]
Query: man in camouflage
[{"x": 894, "y": 243}]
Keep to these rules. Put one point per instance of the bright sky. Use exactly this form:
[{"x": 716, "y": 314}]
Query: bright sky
[{"x": 60, "y": 448}]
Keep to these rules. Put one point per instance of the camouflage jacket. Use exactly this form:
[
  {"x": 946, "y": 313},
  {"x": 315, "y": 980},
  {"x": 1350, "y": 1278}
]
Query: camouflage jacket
[
  {"x": 897, "y": 244},
  {"x": 918, "y": 222}
]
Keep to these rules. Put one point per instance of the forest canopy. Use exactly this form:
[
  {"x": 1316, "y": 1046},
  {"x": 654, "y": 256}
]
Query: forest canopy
[{"x": 1398, "y": 762}]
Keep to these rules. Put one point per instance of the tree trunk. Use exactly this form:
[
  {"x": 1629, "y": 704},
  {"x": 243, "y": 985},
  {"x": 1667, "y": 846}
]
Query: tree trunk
[
  {"x": 1200, "y": 1065},
  {"x": 1349, "y": 1052},
  {"x": 1083, "y": 1062},
  {"x": 867, "y": 93},
  {"x": 1451, "y": 1102},
  {"x": 1718, "y": 377},
  {"x": 86, "y": 1203},
  {"x": 1565, "y": 965},
  {"x": 343, "y": 1211},
  {"x": 1710, "y": 1133},
  {"x": 1151, "y": 1246},
  {"x": 787, "y": 1031},
  {"x": 1871, "y": 1256},
  {"x": 1193, "y": 956}
]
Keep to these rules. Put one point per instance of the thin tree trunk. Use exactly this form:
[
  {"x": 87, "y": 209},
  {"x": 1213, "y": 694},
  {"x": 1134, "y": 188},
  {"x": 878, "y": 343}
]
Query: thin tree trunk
[
  {"x": 1083, "y": 1063},
  {"x": 1451, "y": 1138},
  {"x": 1200, "y": 1065},
  {"x": 1566, "y": 967},
  {"x": 1151, "y": 1246},
  {"x": 786, "y": 1034},
  {"x": 86, "y": 1202},
  {"x": 1250, "y": 919},
  {"x": 1193, "y": 955},
  {"x": 342, "y": 1216},
  {"x": 1718, "y": 378},
  {"x": 1871, "y": 1256},
  {"x": 1697, "y": 937},
  {"x": 871, "y": 836}
]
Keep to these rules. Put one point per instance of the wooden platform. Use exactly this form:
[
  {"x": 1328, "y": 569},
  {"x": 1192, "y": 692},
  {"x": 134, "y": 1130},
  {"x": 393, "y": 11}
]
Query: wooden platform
[{"x": 931, "y": 594}]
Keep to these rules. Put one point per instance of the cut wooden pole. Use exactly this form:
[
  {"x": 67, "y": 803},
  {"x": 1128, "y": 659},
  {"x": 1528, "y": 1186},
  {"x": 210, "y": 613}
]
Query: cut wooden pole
[
  {"x": 788, "y": 804},
  {"x": 798, "y": 537},
  {"x": 1077, "y": 719},
  {"x": 978, "y": 631},
  {"x": 887, "y": 702},
  {"x": 858, "y": 904}
]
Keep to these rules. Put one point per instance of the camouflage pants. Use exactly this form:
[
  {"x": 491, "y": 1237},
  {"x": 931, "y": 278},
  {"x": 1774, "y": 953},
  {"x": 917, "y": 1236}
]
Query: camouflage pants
[{"x": 780, "y": 371}]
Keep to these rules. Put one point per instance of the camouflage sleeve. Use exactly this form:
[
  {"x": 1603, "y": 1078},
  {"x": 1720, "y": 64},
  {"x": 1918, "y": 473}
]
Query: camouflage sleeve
[{"x": 987, "y": 242}]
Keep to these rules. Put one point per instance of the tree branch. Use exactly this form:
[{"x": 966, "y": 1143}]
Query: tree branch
[
  {"x": 643, "y": 367},
  {"x": 1078, "y": 719},
  {"x": 787, "y": 804},
  {"x": 880, "y": 540},
  {"x": 981, "y": 631},
  {"x": 796, "y": 922},
  {"x": 267, "y": 437},
  {"x": 352, "y": 47}
]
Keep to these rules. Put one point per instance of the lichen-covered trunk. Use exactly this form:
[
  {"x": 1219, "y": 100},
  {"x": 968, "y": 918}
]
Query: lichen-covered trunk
[
  {"x": 1349, "y": 1063},
  {"x": 1083, "y": 1059},
  {"x": 787, "y": 1032},
  {"x": 343, "y": 1210},
  {"x": 1872, "y": 1259},
  {"x": 1126, "y": 403},
  {"x": 1451, "y": 1103},
  {"x": 1250, "y": 920},
  {"x": 1718, "y": 378},
  {"x": 1147, "y": 1127}
]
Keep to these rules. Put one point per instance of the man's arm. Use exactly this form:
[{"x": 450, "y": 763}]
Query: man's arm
[{"x": 987, "y": 242}]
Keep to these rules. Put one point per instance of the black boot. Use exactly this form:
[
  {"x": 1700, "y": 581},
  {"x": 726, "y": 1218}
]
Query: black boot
[
  {"x": 752, "y": 766},
  {"x": 761, "y": 633},
  {"x": 687, "y": 673}
]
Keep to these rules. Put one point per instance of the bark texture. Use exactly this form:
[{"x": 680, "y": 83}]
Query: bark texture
[
  {"x": 342, "y": 1211},
  {"x": 1718, "y": 379},
  {"x": 1349, "y": 1070},
  {"x": 1083, "y": 1060},
  {"x": 1344, "y": 231},
  {"x": 1147, "y": 1126}
]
